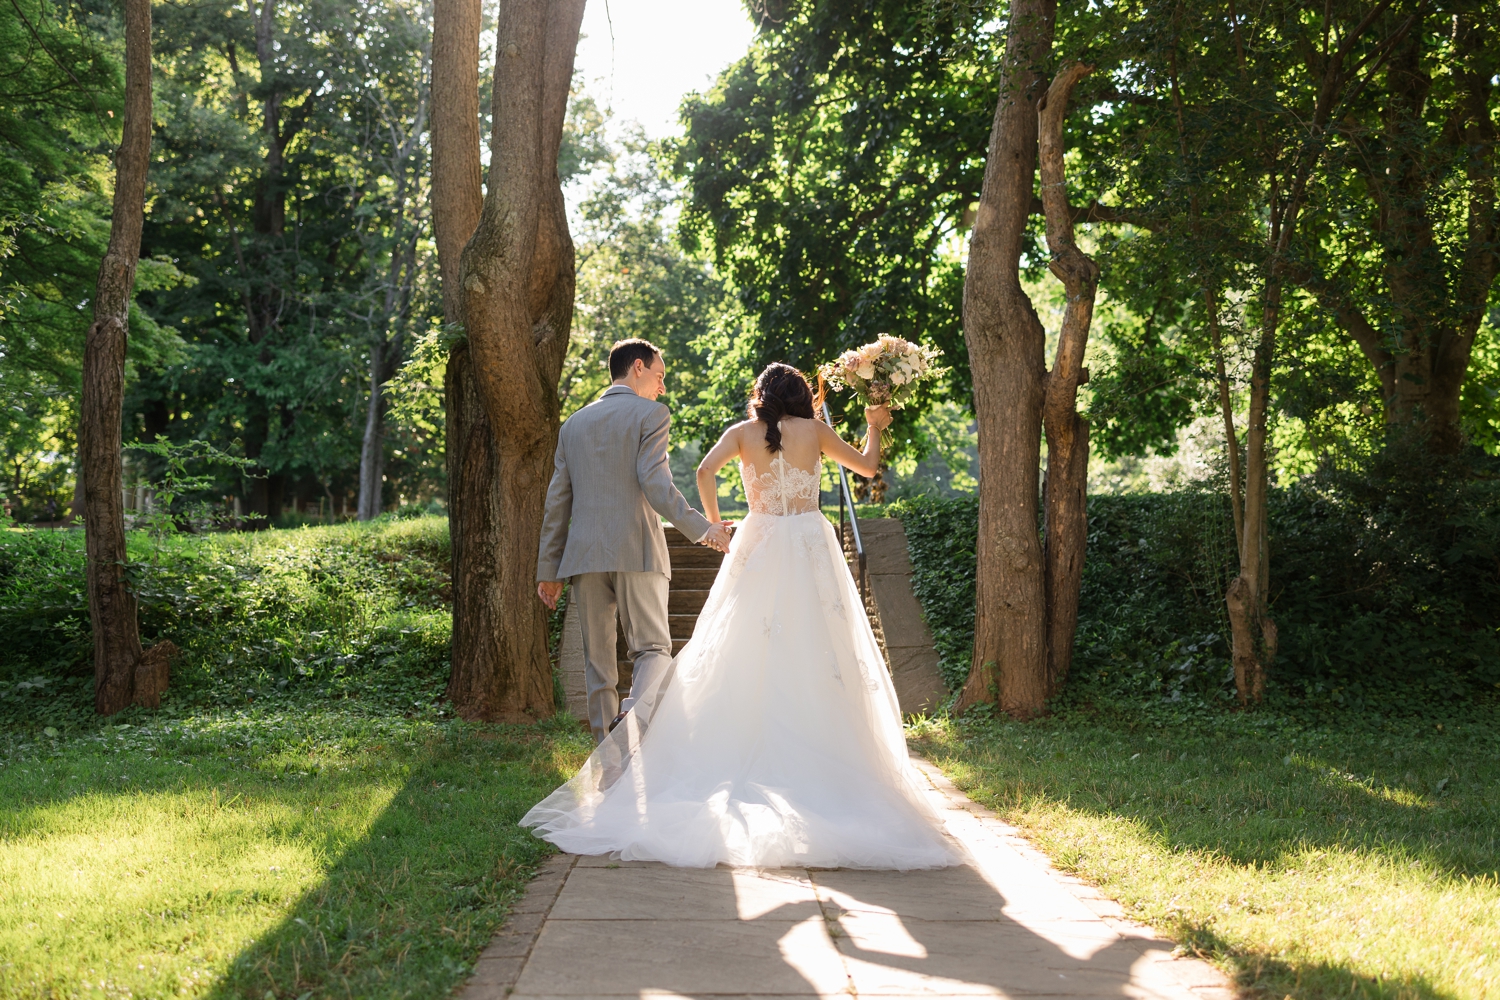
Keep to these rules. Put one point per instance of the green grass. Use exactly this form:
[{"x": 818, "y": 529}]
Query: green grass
[
  {"x": 301, "y": 818},
  {"x": 1358, "y": 858},
  {"x": 264, "y": 854}
]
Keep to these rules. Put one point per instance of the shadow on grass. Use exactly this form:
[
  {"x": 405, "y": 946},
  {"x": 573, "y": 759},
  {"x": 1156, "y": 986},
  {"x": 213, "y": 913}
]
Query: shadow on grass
[
  {"x": 404, "y": 911},
  {"x": 1265, "y": 974},
  {"x": 1359, "y": 827},
  {"x": 1254, "y": 800}
]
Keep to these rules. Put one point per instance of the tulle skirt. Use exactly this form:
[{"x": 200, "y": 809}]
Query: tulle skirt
[{"x": 774, "y": 741}]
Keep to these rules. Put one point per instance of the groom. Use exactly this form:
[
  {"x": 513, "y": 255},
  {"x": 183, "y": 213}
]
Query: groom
[{"x": 610, "y": 480}]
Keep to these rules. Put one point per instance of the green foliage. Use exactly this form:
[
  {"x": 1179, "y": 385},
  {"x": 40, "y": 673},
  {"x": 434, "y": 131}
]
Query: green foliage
[
  {"x": 941, "y": 535},
  {"x": 1383, "y": 586},
  {"x": 634, "y": 280},
  {"x": 830, "y": 170},
  {"x": 308, "y": 256},
  {"x": 60, "y": 93},
  {"x": 302, "y": 808},
  {"x": 1142, "y": 388},
  {"x": 357, "y": 613}
]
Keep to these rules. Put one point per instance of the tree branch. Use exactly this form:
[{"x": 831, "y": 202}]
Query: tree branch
[{"x": 1095, "y": 212}]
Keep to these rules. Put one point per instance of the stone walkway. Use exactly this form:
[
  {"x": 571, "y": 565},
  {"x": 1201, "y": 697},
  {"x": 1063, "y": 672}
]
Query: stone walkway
[{"x": 1009, "y": 925}]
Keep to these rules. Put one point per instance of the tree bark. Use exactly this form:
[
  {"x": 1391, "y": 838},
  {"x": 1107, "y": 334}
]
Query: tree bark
[
  {"x": 1252, "y": 632},
  {"x": 474, "y": 497},
  {"x": 516, "y": 281},
  {"x": 1007, "y": 347},
  {"x": 112, "y": 607},
  {"x": 1067, "y": 432}
]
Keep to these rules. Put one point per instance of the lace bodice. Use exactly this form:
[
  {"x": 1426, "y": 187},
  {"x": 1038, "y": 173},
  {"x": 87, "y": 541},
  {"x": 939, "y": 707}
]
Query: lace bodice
[{"x": 784, "y": 490}]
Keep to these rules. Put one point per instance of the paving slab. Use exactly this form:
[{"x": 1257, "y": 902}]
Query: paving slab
[{"x": 1005, "y": 924}]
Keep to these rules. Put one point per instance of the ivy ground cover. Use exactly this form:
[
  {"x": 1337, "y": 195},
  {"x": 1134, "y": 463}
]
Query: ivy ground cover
[{"x": 301, "y": 818}]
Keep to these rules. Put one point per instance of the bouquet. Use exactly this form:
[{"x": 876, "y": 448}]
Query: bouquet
[{"x": 883, "y": 373}]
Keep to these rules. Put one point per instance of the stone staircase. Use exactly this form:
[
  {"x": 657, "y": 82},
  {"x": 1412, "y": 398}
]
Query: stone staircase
[
  {"x": 894, "y": 613},
  {"x": 693, "y": 570}
]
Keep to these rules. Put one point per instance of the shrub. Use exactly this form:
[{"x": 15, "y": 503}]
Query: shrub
[
  {"x": 356, "y": 612},
  {"x": 1385, "y": 588}
]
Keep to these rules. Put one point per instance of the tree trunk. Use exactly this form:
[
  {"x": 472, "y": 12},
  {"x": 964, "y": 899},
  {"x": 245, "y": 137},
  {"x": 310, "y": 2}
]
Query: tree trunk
[
  {"x": 112, "y": 607},
  {"x": 517, "y": 284},
  {"x": 264, "y": 303},
  {"x": 1067, "y": 432},
  {"x": 1437, "y": 322},
  {"x": 500, "y": 667},
  {"x": 1007, "y": 347},
  {"x": 372, "y": 453},
  {"x": 1253, "y": 632},
  {"x": 474, "y": 498}
]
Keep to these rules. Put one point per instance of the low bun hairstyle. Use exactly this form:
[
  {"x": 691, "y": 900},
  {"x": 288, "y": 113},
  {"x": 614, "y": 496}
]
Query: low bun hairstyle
[{"x": 780, "y": 391}]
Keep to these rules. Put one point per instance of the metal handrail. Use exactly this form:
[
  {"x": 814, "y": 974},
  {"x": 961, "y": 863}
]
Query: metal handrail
[{"x": 846, "y": 495}]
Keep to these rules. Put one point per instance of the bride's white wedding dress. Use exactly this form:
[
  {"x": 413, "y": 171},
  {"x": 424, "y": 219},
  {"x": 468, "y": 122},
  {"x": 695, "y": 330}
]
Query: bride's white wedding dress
[{"x": 776, "y": 738}]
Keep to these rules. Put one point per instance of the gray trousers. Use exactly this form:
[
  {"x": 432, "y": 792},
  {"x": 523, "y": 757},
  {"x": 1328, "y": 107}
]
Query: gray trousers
[{"x": 641, "y": 599}]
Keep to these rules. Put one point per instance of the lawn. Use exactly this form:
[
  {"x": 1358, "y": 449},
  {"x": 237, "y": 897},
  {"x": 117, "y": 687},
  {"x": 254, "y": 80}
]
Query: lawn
[
  {"x": 301, "y": 818},
  {"x": 1309, "y": 861},
  {"x": 304, "y": 818},
  {"x": 1339, "y": 840}
]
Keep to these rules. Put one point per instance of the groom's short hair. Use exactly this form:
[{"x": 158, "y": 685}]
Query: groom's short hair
[{"x": 625, "y": 353}]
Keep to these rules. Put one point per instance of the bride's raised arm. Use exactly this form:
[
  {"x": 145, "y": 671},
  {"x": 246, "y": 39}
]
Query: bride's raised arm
[
  {"x": 718, "y": 456},
  {"x": 865, "y": 463}
]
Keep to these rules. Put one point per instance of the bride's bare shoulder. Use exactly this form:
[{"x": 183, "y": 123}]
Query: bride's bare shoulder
[{"x": 735, "y": 430}]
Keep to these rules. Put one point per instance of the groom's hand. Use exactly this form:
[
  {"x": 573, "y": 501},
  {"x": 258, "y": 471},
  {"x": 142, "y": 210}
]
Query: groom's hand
[
  {"x": 549, "y": 591},
  {"x": 717, "y": 538}
]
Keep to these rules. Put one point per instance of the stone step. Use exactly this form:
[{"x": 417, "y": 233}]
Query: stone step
[
  {"x": 686, "y": 602},
  {"x": 693, "y": 557},
  {"x": 693, "y": 578}
]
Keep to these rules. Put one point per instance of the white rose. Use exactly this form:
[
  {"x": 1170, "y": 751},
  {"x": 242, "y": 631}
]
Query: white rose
[
  {"x": 900, "y": 377},
  {"x": 865, "y": 370}
]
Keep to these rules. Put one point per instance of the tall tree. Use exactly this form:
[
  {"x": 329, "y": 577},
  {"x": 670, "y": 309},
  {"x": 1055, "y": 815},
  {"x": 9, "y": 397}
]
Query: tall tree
[
  {"x": 516, "y": 276},
  {"x": 347, "y": 274},
  {"x": 400, "y": 131},
  {"x": 112, "y": 607},
  {"x": 1293, "y": 155},
  {"x": 475, "y": 498},
  {"x": 1414, "y": 160},
  {"x": 1007, "y": 360}
]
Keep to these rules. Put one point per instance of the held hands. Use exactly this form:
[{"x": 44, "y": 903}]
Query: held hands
[
  {"x": 718, "y": 536},
  {"x": 878, "y": 417}
]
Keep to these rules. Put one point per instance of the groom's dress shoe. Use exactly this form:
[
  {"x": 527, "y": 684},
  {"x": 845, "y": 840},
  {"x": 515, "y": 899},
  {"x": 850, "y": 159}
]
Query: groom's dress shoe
[{"x": 616, "y": 721}]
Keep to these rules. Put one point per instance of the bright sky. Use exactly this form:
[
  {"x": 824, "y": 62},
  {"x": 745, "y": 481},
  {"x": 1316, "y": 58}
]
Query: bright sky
[{"x": 661, "y": 50}]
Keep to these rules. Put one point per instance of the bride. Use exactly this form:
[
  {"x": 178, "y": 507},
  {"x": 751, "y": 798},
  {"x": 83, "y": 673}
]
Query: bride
[{"x": 775, "y": 740}]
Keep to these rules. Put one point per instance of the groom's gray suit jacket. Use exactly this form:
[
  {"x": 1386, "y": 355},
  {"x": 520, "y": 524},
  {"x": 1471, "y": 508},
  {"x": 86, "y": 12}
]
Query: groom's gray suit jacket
[{"x": 610, "y": 480}]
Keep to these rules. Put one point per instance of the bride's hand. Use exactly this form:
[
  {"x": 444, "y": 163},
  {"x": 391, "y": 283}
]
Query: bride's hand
[{"x": 878, "y": 417}]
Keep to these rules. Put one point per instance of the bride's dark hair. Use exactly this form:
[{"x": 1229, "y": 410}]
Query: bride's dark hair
[{"x": 781, "y": 391}]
